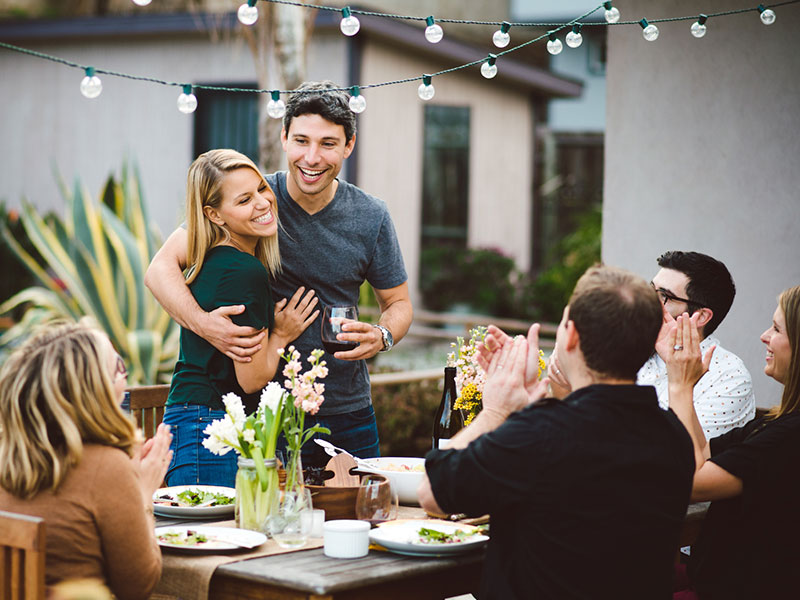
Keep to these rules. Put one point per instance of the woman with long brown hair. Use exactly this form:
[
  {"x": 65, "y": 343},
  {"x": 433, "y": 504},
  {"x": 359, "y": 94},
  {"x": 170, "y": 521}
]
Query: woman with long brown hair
[
  {"x": 748, "y": 547},
  {"x": 70, "y": 455}
]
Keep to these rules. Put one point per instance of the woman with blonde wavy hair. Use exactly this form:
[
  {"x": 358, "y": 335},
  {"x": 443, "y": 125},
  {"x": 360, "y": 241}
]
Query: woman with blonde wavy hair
[
  {"x": 232, "y": 227},
  {"x": 748, "y": 545},
  {"x": 70, "y": 455}
]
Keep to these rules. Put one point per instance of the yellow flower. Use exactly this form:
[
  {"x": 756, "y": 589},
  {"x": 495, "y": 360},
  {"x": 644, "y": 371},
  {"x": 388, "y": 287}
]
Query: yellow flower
[
  {"x": 542, "y": 364},
  {"x": 469, "y": 391}
]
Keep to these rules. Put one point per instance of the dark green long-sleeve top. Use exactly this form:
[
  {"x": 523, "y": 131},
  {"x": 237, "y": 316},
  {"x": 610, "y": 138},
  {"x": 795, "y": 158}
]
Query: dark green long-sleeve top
[{"x": 203, "y": 374}]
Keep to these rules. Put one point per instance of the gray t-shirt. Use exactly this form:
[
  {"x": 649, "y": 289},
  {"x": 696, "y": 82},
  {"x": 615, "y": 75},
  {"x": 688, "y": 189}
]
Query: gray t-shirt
[{"x": 333, "y": 252}]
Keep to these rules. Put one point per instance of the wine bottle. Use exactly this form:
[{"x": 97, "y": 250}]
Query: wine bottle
[{"x": 448, "y": 420}]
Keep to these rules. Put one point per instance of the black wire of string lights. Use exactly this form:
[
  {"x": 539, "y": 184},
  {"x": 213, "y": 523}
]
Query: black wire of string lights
[
  {"x": 607, "y": 5},
  {"x": 91, "y": 86}
]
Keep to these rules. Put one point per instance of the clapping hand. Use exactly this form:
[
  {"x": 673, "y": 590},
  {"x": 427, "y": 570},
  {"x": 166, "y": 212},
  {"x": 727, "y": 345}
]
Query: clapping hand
[
  {"x": 497, "y": 349},
  {"x": 496, "y": 339},
  {"x": 559, "y": 385},
  {"x": 685, "y": 362},
  {"x": 668, "y": 328},
  {"x": 152, "y": 459}
]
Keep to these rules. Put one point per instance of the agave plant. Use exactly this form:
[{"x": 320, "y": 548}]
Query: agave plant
[{"x": 92, "y": 263}]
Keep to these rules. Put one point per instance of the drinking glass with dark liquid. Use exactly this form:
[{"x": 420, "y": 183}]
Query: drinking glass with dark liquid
[
  {"x": 333, "y": 317},
  {"x": 376, "y": 500}
]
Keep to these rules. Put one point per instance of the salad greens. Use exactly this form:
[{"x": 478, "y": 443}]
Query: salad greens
[
  {"x": 192, "y": 498},
  {"x": 183, "y": 538},
  {"x": 197, "y": 497},
  {"x": 434, "y": 536}
]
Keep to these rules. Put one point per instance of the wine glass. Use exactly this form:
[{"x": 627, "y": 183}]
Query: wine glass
[
  {"x": 376, "y": 500},
  {"x": 333, "y": 317}
]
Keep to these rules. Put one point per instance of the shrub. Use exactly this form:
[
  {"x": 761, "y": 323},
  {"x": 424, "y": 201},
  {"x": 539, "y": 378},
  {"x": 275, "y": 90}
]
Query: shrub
[
  {"x": 482, "y": 278},
  {"x": 574, "y": 254},
  {"x": 92, "y": 262},
  {"x": 404, "y": 413}
]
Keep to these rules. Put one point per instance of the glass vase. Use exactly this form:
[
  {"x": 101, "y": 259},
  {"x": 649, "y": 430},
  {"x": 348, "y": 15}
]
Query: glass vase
[
  {"x": 291, "y": 516},
  {"x": 256, "y": 492}
]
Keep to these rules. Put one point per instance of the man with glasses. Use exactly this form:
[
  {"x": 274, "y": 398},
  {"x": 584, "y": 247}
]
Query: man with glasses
[{"x": 692, "y": 282}]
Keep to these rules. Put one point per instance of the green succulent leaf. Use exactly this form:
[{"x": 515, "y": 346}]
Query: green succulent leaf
[{"x": 93, "y": 263}]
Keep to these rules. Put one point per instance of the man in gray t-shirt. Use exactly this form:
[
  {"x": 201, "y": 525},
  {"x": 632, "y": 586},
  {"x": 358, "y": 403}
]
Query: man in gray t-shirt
[{"x": 333, "y": 237}]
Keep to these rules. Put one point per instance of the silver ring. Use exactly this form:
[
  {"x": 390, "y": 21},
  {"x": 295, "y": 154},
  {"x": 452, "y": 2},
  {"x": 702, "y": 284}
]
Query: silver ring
[
  {"x": 556, "y": 371},
  {"x": 677, "y": 347}
]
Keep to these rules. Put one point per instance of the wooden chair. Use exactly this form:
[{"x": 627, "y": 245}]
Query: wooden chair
[
  {"x": 22, "y": 550},
  {"x": 147, "y": 406}
]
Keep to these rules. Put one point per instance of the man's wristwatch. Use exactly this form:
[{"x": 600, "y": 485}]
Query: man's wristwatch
[{"x": 388, "y": 340}]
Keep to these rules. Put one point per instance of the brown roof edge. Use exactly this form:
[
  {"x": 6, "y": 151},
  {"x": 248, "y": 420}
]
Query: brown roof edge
[{"x": 509, "y": 71}]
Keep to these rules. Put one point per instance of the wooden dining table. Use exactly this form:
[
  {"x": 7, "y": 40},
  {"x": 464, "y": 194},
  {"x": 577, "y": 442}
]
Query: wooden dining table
[{"x": 310, "y": 575}]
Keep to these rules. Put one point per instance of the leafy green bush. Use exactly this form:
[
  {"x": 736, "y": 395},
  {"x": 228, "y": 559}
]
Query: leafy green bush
[
  {"x": 576, "y": 252},
  {"x": 489, "y": 282},
  {"x": 482, "y": 278},
  {"x": 404, "y": 413},
  {"x": 92, "y": 262}
]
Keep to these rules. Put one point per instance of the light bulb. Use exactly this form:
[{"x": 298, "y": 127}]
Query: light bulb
[
  {"x": 574, "y": 37},
  {"x": 554, "y": 45},
  {"x": 767, "y": 15},
  {"x": 357, "y": 102},
  {"x": 425, "y": 89},
  {"x": 247, "y": 14},
  {"x": 91, "y": 86},
  {"x": 275, "y": 107},
  {"x": 650, "y": 33},
  {"x": 488, "y": 68},
  {"x": 612, "y": 13},
  {"x": 187, "y": 101},
  {"x": 141, "y": 2},
  {"x": 698, "y": 29},
  {"x": 433, "y": 32},
  {"x": 501, "y": 38},
  {"x": 350, "y": 24}
]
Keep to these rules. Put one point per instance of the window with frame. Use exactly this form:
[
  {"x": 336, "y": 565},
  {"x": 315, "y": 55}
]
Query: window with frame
[
  {"x": 445, "y": 177},
  {"x": 225, "y": 120}
]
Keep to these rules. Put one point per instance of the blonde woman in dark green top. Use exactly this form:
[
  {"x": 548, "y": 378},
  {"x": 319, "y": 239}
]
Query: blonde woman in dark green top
[{"x": 232, "y": 227}]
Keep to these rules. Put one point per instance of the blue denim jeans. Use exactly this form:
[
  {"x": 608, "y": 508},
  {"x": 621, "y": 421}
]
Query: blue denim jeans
[
  {"x": 192, "y": 463},
  {"x": 356, "y": 432}
]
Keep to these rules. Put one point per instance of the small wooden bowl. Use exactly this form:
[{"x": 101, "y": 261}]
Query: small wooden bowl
[{"x": 338, "y": 502}]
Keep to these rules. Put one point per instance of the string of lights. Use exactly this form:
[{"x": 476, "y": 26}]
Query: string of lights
[{"x": 91, "y": 85}]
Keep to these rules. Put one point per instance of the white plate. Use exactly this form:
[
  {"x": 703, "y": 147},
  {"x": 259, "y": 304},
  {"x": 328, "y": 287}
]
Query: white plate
[
  {"x": 401, "y": 537},
  {"x": 220, "y": 539},
  {"x": 193, "y": 512}
]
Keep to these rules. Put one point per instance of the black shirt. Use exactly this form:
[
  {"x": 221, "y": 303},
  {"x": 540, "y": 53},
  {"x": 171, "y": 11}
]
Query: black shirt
[
  {"x": 586, "y": 496},
  {"x": 750, "y": 545}
]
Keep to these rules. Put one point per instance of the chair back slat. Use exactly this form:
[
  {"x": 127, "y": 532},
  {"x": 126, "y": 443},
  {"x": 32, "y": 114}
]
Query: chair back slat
[
  {"x": 22, "y": 554},
  {"x": 147, "y": 406}
]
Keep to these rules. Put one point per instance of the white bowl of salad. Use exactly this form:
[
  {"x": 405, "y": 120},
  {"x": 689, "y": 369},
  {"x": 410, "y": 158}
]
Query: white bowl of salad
[{"x": 404, "y": 472}]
